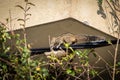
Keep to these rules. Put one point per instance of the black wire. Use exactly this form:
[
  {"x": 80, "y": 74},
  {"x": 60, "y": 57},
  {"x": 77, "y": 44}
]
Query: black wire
[{"x": 88, "y": 45}]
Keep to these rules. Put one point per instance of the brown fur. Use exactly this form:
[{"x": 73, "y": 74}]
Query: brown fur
[{"x": 72, "y": 38}]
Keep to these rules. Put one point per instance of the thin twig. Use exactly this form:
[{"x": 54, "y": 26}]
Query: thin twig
[
  {"x": 109, "y": 71},
  {"x": 103, "y": 59},
  {"x": 7, "y": 62},
  {"x": 115, "y": 57}
]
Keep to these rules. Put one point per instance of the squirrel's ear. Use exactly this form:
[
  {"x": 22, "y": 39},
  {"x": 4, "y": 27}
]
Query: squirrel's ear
[
  {"x": 53, "y": 38},
  {"x": 74, "y": 41}
]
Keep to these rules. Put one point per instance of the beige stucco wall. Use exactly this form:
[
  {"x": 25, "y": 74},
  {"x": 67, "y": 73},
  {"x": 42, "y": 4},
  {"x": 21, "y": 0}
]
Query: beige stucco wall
[
  {"x": 86, "y": 11},
  {"x": 52, "y": 10},
  {"x": 45, "y": 11}
]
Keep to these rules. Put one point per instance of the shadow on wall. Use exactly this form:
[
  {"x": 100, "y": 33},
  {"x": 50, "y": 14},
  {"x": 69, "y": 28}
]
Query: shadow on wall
[{"x": 37, "y": 35}]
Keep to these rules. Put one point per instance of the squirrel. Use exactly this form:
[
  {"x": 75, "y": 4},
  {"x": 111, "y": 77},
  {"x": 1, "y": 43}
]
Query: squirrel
[
  {"x": 64, "y": 38},
  {"x": 73, "y": 39}
]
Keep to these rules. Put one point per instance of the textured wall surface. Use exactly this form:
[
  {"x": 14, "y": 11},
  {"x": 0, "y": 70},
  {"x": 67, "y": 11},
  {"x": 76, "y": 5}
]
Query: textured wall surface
[
  {"x": 45, "y": 11},
  {"x": 52, "y": 10}
]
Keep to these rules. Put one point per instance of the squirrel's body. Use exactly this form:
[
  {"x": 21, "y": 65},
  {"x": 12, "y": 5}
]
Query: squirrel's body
[
  {"x": 65, "y": 38},
  {"x": 72, "y": 38}
]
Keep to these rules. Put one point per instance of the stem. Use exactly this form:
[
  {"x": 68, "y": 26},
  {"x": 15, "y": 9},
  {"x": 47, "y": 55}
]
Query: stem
[
  {"x": 117, "y": 45},
  {"x": 115, "y": 57},
  {"x": 24, "y": 31},
  {"x": 25, "y": 37},
  {"x": 88, "y": 70}
]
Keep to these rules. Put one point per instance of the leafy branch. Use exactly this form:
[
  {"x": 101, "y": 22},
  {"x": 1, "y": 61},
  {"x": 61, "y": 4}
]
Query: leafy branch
[
  {"x": 25, "y": 9},
  {"x": 114, "y": 5}
]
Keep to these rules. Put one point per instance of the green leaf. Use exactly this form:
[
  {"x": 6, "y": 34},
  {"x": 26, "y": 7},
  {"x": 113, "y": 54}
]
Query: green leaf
[
  {"x": 28, "y": 14},
  {"x": 93, "y": 72},
  {"x": 20, "y": 7},
  {"x": 17, "y": 35},
  {"x": 53, "y": 78},
  {"x": 111, "y": 0},
  {"x": 71, "y": 49},
  {"x": 109, "y": 41},
  {"x": 26, "y": 0},
  {"x": 7, "y": 49},
  {"x": 21, "y": 20},
  {"x": 100, "y": 2},
  {"x": 94, "y": 54},
  {"x": 34, "y": 63},
  {"x": 86, "y": 51},
  {"x": 65, "y": 58},
  {"x": 66, "y": 45},
  {"x": 7, "y": 19},
  {"x": 31, "y": 4},
  {"x": 118, "y": 63},
  {"x": 44, "y": 72},
  {"x": 78, "y": 70},
  {"x": 78, "y": 52},
  {"x": 70, "y": 72},
  {"x": 18, "y": 42},
  {"x": 22, "y": 25}
]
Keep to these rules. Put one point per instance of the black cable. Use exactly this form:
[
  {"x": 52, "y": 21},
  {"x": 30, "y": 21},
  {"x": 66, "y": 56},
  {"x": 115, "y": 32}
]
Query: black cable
[{"x": 87, "y": 45}]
